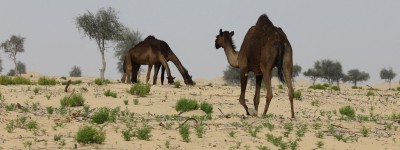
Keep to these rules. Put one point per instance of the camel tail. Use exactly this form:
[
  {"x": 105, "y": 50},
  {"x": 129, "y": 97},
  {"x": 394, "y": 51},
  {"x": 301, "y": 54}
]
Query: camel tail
[{"x": 279, "y": 63}]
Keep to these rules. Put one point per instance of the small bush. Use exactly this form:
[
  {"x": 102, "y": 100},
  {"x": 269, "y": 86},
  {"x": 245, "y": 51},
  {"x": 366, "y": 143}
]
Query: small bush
[
  {"x": 297, "y": 95},
  {"x": 88, "y": 134},
  {"x": 6, "y": 80},
  {"x": 127, "y": 134},
  {"x": 335, "y": 88},
  {"x": 183, "y": 105},
  {"x": 325, "y": 85},
  {"x": 177, "y": 84},
  {"x": 144, "y": 133},
  {"x": 36, "y": 90},
  {"x": 184, "y": 132},
  {"x": 32, "y": 125},
  {"x": 75, "y": 82},
  {"x": 370, "y": 93},
  {"x": 398, "y": 88},
  {"x": 99, "y": 81},
  {"x": 101, "y": 116},
  {"x": 50, "y": 109},
  {"x": 73, "y": 101},
  {"x": 200, "y": 131},
  {"x": 64, "y": 78},
  {"x": 109, "y": 93},
  {"x": 140, "y": 89},
  {"x": 364, "y": 131},
  {"x": 347, "y": 111},
  {"x": 318, "y": 87},
  {"x": 206, "y": 107},
  {"x": 47, "y": 81}
]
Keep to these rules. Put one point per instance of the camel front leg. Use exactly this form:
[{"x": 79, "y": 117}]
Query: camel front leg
[
  {"x": 267, "y": 81},
  {"x": 256, "y": 99},
  {"x": 243, "y": 84},
  {"x": 156, "y": 69},
  {"x": 165, "y": 64},
  {"x": 148, "y": 73},
  {"x": 162, "y": 75}
]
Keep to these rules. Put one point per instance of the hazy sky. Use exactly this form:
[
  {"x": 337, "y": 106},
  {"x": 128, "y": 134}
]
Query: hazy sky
[{"x": 363, "y": 34}]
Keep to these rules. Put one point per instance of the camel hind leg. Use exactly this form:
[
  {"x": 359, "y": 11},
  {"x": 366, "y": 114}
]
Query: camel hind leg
[
  {"x": 156, "y": 70},
  {"x": 287, "y": 71},
  {"x": 148, "y": 73},
  {"x": 165, "y": 65}
]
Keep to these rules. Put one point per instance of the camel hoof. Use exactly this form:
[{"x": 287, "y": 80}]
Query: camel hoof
[{"x": 252, "y": 112}]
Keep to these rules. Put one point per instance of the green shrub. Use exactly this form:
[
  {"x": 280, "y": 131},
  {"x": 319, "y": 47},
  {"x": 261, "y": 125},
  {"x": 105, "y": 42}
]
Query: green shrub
[
  {"x": 109, "y": 93},
  {"x": 64, "y": 78},
  {"x": 206, "y": 107},
  {"x": 127, "y": 134},
  {"x": 47, "y": 81},
  {"x": 317, "y": 87},
  {"x": 140, "y": 89},
  {"x": 398, "y": 88},
  {"x": 88, "y": 134},
  {"x": 99, "y": 81},
  {"x": 32, "y": 125},
  {"x": 183, "y": 105},
  {"x": 73, "y": 101},
  {"x": 36, "y": 90},
  {"x": 370, "y": 93},
  {"x": 6, "y": 80},
  {"x": 50, "y": 109},
  {"x": 200, "y": 131},
  {"x": 177, "y": 84},
  {"x": 347, "y": 111},
  {"x": 184, "y": 132},
  {"x": 101, "y": 116},
  {"x": 335, "y": 88},
  {"x": 143, "y": 133},
  {"x": 297, "y": 95},
  {"x": 364, "y": 131},
  {"x": 326, "y": 85}
]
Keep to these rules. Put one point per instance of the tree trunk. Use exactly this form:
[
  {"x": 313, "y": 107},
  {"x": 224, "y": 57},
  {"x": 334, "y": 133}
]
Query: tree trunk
[
  {"x": 103, "y": 68},
  {"x": 16, "y": 66}
]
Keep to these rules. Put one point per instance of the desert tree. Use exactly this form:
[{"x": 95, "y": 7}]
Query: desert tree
[
  {"x": 296, "y": 71},
  {"x": 1, "y": 65},
  {"x": 12, "y": 47},
  {"x": 232, "y": 76},
  {"x": 21, "y": 69},
  {"x": 313, "y": 74},
  {"x": 387, "y": 75},
  {"x": 102, "y": 27},
  {"x": 330, "y": 71},
  {"x": 75, "y": 72},
  {"x": 355, "y": 76},
  {"x": 129, "y": 38}
]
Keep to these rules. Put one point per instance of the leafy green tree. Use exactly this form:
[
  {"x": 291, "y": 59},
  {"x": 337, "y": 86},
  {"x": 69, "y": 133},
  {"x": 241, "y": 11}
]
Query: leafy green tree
[
  {"x": 387, "y": 75},
  {"x": 355, "y": 76},
  {"x": 13, "y": 46},
  {"x": 232, "y": 76},
  {"x": 128, "y": 40},
  {"x": 296, "y": 71},
  {"x": 102, "y": 27},
  {"x": 330, "y": 71},
  {"x": 75, "y": 72},
  {"x": 313, "y": 74},
  {"x": 21, "y": 69}
]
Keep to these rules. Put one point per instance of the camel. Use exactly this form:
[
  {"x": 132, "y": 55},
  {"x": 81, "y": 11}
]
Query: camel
[
  {"x": 162, "y": 48},
  {"x": 169, "y": 56},
  {"x": 143, "y": 54},
  {"x": 264, "y": 47}
]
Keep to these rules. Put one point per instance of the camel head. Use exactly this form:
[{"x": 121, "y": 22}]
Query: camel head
[
  {"x": 170, "y": 80},
  {"x": 222, "y": 38},
  {"x": 188, "y": 81}
]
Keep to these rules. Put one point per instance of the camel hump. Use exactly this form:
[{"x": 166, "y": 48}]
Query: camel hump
[
  {"x": 263, "y": 21},
  {"x": 150, "y": 37}
]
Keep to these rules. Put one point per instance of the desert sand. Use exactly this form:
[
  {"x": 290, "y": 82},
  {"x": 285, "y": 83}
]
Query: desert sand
[{"x": 316, "y": 107}]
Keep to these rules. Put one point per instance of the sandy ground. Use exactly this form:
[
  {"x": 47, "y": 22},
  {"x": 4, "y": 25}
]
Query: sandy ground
[{"x": 316, "y": 107}]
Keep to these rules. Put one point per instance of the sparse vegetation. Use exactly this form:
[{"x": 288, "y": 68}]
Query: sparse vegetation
[
  {"x": 206, "y": 107},
  {"x": 47, "y": 81},
  {"x": 72, "y": 101},
  {"x": 184, "y": 104},
  {"x": 184, "y": 132},
  {"x": 297, "y": 95},
  {"x": 144, "y": 132},
  {"x": 140, "y": 89},
  {"x": 99, "y": 81},
  {"x": 110, "y": 93},
  {"x": 177, "y": 84},
  {"x": 370, "y": 93},
  {"x": 18, "y": 80},
  {"x": 89, "y": 134},
  {"x": 348, "y": 112},
  {"x": 364, "y": 131},
  {"x": 317, "y": 87}
]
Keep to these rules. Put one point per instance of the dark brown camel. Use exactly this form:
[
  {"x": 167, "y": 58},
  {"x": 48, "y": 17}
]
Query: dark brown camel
[
  {"x": 144, "y": 53},
  {"x": 264, "y": 47},
  {"x": 169, "y": 56}
]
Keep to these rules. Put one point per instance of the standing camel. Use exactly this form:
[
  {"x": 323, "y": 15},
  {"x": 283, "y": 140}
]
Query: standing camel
[
  {"x": 143, "y": 54},
  {"x": 164, "y": 48},
  {"x": 264, "y": 47}
]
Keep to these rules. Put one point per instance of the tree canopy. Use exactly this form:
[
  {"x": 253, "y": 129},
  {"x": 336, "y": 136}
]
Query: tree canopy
[
  {"x": 355, "y": 76},
  {"x": 296, "y": 70},
  {"x": 313, "y": 74},
  {"x": 128, "y": 39},
  {"x": 75, "y": 72},
  {"x": 330, "y": 71},
  {"x": 387, "y": 75},
  {"x": 101, "y": 27}
]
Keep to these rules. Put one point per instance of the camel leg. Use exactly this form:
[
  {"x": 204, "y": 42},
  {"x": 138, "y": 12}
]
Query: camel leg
[
  {"x": 287, "y": 71},
  {"x": 156, "y": 69},
  {"x": 162, "y": 75},
  {"x": 267, "y": 81},
  {"x": 135, "y": 69},
  {"x": 165, "y": 64},
  {"x": 256, "y": 99},
  {"x": 150, "y": 66},
  {"x": 243, "y": 84}
]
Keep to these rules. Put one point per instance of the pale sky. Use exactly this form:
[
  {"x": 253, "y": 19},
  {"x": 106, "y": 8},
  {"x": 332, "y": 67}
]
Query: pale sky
[{"x": 362, "y": 34}]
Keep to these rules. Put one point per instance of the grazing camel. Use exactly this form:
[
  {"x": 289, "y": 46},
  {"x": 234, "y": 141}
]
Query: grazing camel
[
  {"x": 144, "y": 53},
  {"x": 264, "y": 47},
  {"x": 169, "y": 56}
]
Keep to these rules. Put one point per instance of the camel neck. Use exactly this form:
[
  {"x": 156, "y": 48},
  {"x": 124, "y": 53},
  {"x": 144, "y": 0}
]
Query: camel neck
[
  {"x": 231, "y": 55},
  {"x": 178, "y": 65}
]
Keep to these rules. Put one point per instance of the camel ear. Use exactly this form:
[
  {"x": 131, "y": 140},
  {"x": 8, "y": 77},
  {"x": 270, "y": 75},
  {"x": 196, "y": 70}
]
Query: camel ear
[
  {"x": 232, "y": 33},
  {"x": 220, "y": 31}
]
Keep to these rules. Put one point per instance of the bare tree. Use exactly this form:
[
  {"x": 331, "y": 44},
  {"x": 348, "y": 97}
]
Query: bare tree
[
  {"x": 13, "y": 46},
  {"x": 102, "y": 27}
]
